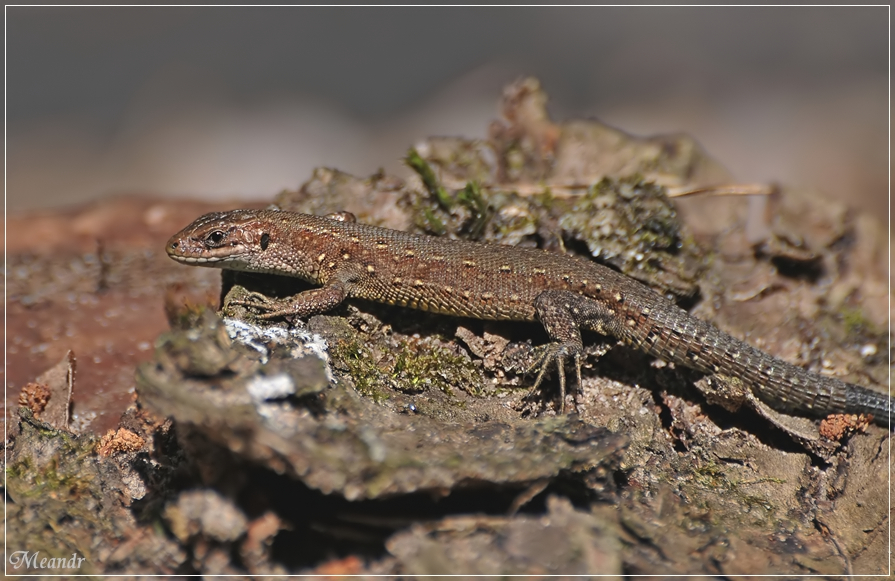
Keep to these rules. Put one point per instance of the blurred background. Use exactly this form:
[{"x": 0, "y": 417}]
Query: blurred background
[{"x": 244, "y": 102}]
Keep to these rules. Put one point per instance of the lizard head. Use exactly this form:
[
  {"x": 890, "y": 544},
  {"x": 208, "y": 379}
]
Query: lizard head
[
  {"x": 218, "y": 239},
  {"x": 235, "y": 240},
  {"x": 267, "y": 241}
]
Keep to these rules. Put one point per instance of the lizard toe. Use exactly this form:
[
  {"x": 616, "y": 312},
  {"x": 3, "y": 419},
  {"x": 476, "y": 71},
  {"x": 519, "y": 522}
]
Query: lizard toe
[{"x": 555, "y": 352}]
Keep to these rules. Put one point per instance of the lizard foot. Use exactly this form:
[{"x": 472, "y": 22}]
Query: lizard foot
[
  {"x": 557, "y": 352},
  {"x": 270, "y": 308}
]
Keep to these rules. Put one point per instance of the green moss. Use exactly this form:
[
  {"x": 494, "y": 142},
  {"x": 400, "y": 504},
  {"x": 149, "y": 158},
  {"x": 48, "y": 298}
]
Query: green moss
[
  {"x": 60, "y": 476},
  {"x": 710, "y": 475},
  {"x": 418, "y": 367},
  {"x": 464, "y": 212},
  {"x": 367, "y": 376},
  {"x": 471, "y": 198},
  {"x": 432, "y": 223},
  {"x": 19, "y": 469},
  {"x": 51, "y": 481},
  {"x": 424, "y": 170}
]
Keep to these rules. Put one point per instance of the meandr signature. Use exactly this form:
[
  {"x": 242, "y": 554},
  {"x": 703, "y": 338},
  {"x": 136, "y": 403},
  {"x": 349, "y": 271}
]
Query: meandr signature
[{"x": 34, "y": 561}]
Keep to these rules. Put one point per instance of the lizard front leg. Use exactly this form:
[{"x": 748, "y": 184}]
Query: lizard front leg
[{"x": 304, "y": 304}]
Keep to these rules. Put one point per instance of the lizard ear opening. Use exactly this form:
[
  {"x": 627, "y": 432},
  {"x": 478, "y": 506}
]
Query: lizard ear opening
[{"x": 265, "y": 241}]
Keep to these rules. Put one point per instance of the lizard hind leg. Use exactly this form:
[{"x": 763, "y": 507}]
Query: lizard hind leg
[{"x": 559, "y": 312}]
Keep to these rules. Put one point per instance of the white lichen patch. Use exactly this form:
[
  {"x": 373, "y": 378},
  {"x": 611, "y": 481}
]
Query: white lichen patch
[
  {"x": 300, "y": 343},
  {"x": 277, "y": 386}
]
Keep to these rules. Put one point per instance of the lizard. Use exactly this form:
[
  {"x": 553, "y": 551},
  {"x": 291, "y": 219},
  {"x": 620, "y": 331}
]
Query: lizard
[{"x": 488, "y": 281}]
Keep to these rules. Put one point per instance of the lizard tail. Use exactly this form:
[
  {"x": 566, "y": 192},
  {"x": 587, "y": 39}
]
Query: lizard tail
[
  {"x": 865, "y": 401},
  {"x": 785, "y": 387}
]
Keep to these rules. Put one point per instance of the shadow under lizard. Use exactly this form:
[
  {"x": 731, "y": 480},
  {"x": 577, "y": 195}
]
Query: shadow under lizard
[{"x": 497, "y": 282}]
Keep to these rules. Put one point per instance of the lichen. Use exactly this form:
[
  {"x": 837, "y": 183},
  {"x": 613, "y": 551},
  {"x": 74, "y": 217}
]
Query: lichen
[{"x": 631, "y": 224}]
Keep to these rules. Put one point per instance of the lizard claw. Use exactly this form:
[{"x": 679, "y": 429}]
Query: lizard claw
[{"x": 556, "y": 352}]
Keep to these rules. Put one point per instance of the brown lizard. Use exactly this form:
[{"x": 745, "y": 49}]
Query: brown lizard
[{"x": 491, "y": 281}]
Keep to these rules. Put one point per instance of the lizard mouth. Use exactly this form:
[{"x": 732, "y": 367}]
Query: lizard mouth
[
  {"x": 196, "y": 259},
  {"x": 181, "y": 251}
]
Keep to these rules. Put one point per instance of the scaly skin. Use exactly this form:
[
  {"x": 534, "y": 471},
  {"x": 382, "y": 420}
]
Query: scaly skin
[{"x": 490, "y": 281}]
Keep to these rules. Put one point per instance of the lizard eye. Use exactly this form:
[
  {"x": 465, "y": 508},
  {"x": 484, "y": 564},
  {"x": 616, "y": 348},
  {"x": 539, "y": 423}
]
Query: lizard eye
[
  {"x": 214, "y": 239},
  {"x": 265, "y": 240}
]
